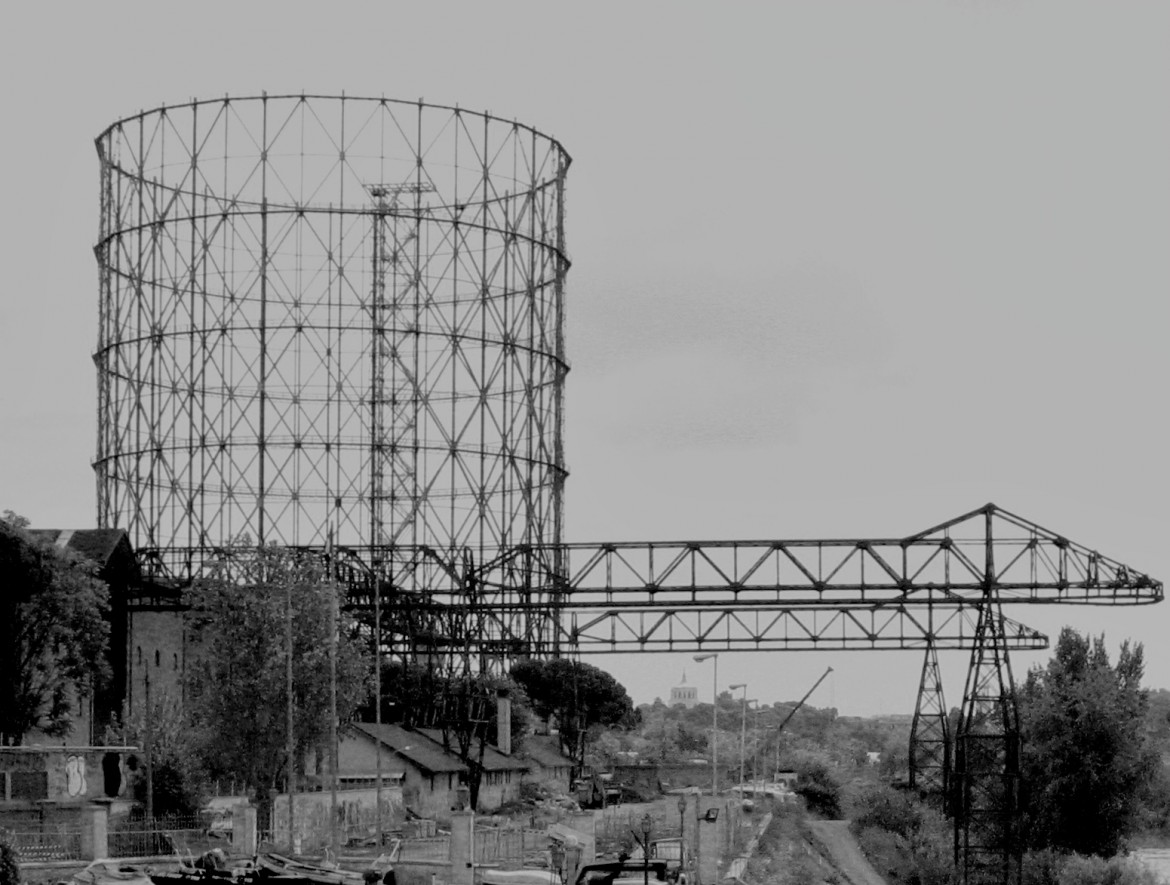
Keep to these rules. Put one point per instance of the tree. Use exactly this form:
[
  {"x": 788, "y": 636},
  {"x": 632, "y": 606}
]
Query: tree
[
  {"x": 1085, "y": 761},
  {"x": 237, "y": 685},
  {"x": 580, "y": 697},
  {"x": 53, "y": 633},
  {"x": 9, "y": 865}
]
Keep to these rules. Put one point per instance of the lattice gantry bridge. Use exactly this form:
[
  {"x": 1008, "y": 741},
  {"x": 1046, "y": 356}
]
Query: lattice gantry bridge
[{"x": 337, "y": 324}]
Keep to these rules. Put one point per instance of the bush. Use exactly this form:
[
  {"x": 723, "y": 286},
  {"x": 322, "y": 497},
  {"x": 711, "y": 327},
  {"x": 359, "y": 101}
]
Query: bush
[
  {"x": 819, "y": 789},
  {"x": 1053, "y": 868},
  {"x": 906, "y": 840},
  {"x": 1080, "y": 870},
  {"x": 9, "y": 870},
  {"x": 884, "y": 807}
]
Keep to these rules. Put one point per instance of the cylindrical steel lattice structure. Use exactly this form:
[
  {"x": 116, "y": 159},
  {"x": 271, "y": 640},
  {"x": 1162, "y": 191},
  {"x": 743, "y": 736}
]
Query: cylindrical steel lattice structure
[{"x": 333, "y": 320}]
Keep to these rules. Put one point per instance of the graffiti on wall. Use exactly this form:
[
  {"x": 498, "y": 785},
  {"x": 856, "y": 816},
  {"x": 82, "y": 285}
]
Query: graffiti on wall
[{"x": 75, "y": 783}]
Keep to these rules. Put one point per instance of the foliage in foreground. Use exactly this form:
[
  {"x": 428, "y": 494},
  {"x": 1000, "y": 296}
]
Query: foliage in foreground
[
  {"x": 177, "y": 780},
  {"x": 818, "y": 787},
  {"x": 581, "y": 697},
  {"x": 1087, "y": 765},
  {"x": 9, "y": 869},
  {"x": 1053, "y": 868},
  {"x": 53, "y": 633},
  {"x": 906, "y": 840},
  {"x": 238, "y": 686}
]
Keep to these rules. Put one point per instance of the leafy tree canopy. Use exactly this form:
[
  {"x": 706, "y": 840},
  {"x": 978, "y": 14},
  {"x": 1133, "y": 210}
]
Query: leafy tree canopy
[
  {"x": 580, "y": 697},
  {"x": 53, "y": 633},
  {"x": 237, "y": 686},
  {"x": 1086, "y": 763}
]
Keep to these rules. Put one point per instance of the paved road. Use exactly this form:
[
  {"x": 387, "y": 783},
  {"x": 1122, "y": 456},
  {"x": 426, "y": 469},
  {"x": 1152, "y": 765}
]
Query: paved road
[{"x": 842, "y": 849}]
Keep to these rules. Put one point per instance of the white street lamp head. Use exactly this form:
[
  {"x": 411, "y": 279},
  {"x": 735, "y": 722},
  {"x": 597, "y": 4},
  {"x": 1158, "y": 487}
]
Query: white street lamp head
[
  {"x": 706, "y": 656},
  {"x": 737, "y": 686}
]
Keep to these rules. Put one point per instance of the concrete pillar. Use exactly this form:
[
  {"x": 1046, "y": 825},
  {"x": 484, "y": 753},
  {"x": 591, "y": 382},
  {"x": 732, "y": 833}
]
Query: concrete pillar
[
  {"x": 461, "y": 853},
  {"x": 243, "y": 830},
  {"x": 712, "y": 838},
  {"x": 585, "y": 822},
  {"x": 95, "y": 824}
]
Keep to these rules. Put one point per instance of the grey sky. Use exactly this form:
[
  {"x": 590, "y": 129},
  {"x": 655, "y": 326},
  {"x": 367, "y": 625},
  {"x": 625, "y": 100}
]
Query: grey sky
[{"x": 840, "y": 269}]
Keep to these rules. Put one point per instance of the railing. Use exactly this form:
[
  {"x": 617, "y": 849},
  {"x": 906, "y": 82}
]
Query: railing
[
  {"x": 147, "y": 837},
  {"x": 511, "y": 846},
  {"x": 437, "y": 848},
  {"x": 56, "y": 843}
]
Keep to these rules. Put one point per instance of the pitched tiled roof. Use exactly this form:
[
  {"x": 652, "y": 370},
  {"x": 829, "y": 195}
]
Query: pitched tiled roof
[
  {"x": 546, "y": 750},
  {"x": 96, "y": 545},
  {"x": 414, "y": 746},
  {"x": 493, "y": 759}
]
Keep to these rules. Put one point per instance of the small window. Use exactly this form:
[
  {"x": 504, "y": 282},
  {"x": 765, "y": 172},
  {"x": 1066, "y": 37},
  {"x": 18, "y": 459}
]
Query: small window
[
  {"x": 157, "y": 657},
  {"x": 140, "y": 654},
  {"x": 176, "y": 660},
  {"x": 29, "y": 784}
]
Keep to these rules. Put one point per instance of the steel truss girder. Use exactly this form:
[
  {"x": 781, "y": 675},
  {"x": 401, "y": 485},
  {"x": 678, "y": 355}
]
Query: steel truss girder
[
  {"x": 791, "y": 628},
  {"x": 939, "y": 566}
]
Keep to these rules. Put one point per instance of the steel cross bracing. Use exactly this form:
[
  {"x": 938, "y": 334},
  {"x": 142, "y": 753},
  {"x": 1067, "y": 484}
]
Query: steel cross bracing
[{"x": 737, "y": 595}]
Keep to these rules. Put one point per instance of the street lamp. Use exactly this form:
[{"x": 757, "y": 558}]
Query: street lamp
[
  {"x": 707, "y": 656},
  {"x": 742, "y": 733},
  {"x": 756, "y": 741},
  {"x": 646, "y": 849}
]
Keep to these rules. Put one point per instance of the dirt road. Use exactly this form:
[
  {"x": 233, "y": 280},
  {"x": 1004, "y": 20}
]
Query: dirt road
[{"x": 839, "y": 846}]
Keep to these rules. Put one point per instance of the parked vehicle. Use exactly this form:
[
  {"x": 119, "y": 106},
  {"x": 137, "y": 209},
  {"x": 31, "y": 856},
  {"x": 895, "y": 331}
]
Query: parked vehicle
[
  {"x": 622, "y": 872},
  {"x": 673, "y": 851}
]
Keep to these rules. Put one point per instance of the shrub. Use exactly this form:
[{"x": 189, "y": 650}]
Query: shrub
[
  {"x": 9, "y": 870},
  {"x": 882, "y": 806},
  {"x": 1053, "y": 868},
  {"x": 819, "y": 789},
  {"x": 1080, "y": 870}
]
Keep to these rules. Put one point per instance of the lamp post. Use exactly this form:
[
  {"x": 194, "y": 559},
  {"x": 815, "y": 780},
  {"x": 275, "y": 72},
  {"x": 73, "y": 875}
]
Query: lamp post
[
  {"x": 707, "y": 656},
  {"x": 742, "y": 733},
  {"x": 646, "y": 849},
  {"x": 756, "y": 749}
]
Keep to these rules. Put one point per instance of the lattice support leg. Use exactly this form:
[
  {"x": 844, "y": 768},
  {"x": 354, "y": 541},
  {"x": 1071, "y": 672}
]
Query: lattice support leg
[
  {"x": 987, "y": 763},
  {"x": 930, "y": 738}
]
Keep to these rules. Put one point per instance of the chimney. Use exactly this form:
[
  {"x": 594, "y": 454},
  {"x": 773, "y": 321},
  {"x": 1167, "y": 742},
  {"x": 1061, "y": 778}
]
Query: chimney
[{"x": 504, "y": 722}]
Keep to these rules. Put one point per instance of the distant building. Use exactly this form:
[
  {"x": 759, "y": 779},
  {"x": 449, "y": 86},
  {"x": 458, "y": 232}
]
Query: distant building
[
  {"x": 684, "y": 695},
  {"x": 110, "y": 552}
]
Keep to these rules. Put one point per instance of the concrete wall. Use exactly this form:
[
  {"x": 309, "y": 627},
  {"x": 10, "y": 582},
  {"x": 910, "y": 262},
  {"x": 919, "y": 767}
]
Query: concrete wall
[
  {"x": 496, "y": 788},
  {"x": 556, "y": 779},
  {"x": 156, "y": 647},
  {"x": 67, "y": 774}
]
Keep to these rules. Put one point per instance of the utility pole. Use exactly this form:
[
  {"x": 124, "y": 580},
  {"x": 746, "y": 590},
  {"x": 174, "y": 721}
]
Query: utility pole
[
  {"x": 707, "y": 656},
  {"x": 742, "y": 732}
]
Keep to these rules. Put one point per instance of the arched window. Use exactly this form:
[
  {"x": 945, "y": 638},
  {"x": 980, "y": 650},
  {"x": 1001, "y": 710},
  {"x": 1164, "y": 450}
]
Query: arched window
[
  {"x": 157, "y": 657},
  {"x": 140, "y": 654}
]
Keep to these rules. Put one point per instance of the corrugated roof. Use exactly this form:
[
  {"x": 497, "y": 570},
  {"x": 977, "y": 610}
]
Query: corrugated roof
[{"x": 412, "y": 745}]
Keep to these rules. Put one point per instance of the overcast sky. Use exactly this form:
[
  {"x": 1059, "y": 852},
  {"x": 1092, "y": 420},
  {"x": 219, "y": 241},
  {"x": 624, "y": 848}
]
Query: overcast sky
[{"x": 839, "y": 269}]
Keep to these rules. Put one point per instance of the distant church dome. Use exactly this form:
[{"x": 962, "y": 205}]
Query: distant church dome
[{"x": 686, "y": 695}]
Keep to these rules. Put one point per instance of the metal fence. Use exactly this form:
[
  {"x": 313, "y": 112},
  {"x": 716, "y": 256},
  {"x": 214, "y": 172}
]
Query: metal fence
[
  {"x": 58, "y": 842},
  {"x": 181, "y": 834},
  {"x": 436, "y": 848},
  {"x": 511, "y": 846}
]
